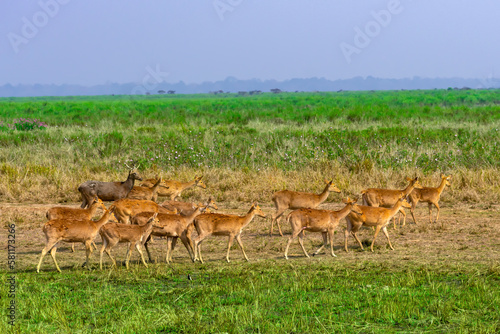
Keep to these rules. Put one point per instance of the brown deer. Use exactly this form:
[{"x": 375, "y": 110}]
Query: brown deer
[
  {"x": 126, "y": 208},
  {"x": 107, "y": 191},
  {"x": 208, "y": 224},
  {"x": 429, "y": 195},
  {"x": 172, "y": 227},
  {"x": 148, "y": 193},
  {"x": 69, "y": 230},
  {"x": 386, "y": 198},
  {"x": 372, "y": 217},
  {"x": 60, "y": 212},
  {"x": 287, "y": 199},
  {"x": 172, "y": 189},
  {"x": 314, "y": 220},
  {"x": 186, "y": 208},
  {"x": 114, "y": 233}
]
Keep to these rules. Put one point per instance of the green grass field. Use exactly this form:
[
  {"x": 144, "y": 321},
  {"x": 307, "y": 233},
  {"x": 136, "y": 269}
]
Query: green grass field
[{"x": 440, "y": 279}]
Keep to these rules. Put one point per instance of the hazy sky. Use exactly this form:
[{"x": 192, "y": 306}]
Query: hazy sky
[{"x": 93, "y": 42}]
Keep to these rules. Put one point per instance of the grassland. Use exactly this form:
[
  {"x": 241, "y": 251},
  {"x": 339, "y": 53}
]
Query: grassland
[{"x": 441, "y": 277}]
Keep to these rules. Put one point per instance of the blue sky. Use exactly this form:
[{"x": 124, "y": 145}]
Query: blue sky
[{"x": 93, "y": 42}]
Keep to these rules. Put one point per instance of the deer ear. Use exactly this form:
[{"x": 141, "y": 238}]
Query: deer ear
[
  {"x": 345, "y": 200},
  {"x": 408, "y": 179}
]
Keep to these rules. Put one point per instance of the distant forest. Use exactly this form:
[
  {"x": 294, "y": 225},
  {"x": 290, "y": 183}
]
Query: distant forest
[{"x": 233, "y": 85}]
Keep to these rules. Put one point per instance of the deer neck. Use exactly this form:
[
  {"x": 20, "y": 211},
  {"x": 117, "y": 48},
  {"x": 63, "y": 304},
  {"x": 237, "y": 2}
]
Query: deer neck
[
  {"x": 406, "y": 191},
  {"x": 188, "y": 184},
  {"x": 441, "y": 187},
  {"x": 324, "y": 195},
  {"x": 129, "y": 182},
  {"x": 104, "y": 219},
  {"x": 396, "y": 207},
  {"x": 93, "y": 209},
  {"x": 192, "y": 216},
  {"x": 248, "y": 217},
  {"x": 342, "y": 213}
]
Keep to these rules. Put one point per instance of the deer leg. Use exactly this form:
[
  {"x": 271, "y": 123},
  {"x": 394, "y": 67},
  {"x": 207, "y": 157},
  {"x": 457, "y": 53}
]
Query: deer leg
[
  {"x": 197, "y": 248},
  {"x": 53, "y": 254},
  {"x": 104, "y": 244},
  {"x": 169, "y": 247},
  {"x": 277, "y": 216},
  {"x": 172, "y": 247},
  {"x": 147, "y": 248},
  {"x": 402, "y": 213},
  {"x": 301, "y": 242},
  {"x": 438, "y": 209},
  {"x": 357, "y": 239},
  {"x": 44, "y": 252},
  {"x": 377, "y": 230},
  {"x": 238, "y": 239},
  {"x": 384, "y": 229},
  {"x": 347, "y": 231},
  {"x": 290, "y": 239},
  {"x": 129, "y": 254},
  {"x": 331, "y": 243},
  {"x": 188, "y": 243},
  {"x": 325, "y": 241},
  {"x": 430, "y": 212},
  {"x": 412, "y": 210},
  {"x": 229, "y": 244},
  {"x": 88, "y": 251},
  {"x": 72, "y": 247},
  {"x": 138, "y": 247}
]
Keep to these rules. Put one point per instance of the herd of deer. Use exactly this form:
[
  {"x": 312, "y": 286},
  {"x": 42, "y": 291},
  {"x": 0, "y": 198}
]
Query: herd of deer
[{"x": 135, "y": 216}]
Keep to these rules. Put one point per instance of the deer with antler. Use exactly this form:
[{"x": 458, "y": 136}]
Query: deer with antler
[{"x": 107, "y": 191}]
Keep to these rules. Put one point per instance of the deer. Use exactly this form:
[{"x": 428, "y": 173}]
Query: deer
[
  {"x": 71, "y": 230},
  {"x": 148, "y": 193},
  {"x": 387, "y": 197},
  {"x": 186, "y": 208},
  {"x": 172, "y": 227},
  {"x": 173, "y": 189},
  {"x": 287, "y": 199},
  {"x": 127, "y": 207},
  {"x": 208, "y": 224},
  {"x": 107, "y": 191},
  {"x": 372, "y": 217},
  {"x": 59, "y": 212},
  {"x": 314, "y": 220},
  {"x": 135, "y": 235},
  {"x": 429, "y": 195}
]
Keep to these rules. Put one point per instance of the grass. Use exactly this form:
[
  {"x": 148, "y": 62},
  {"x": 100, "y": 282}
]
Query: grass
[{"x": 271, "y": 297}]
